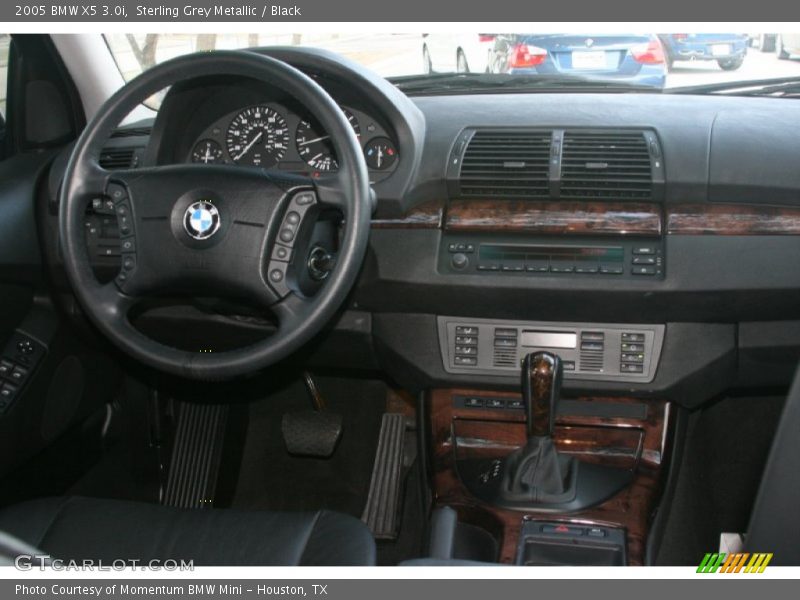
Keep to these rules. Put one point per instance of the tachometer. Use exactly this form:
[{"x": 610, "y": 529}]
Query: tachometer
[
  {"x": 315, "y": 147},
  {"x": 257, "y": 136},
  {"x": 207, "y": 152}
]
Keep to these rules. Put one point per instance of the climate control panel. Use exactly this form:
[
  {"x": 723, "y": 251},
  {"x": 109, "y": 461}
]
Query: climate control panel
[{"x": 591, "y": 351}]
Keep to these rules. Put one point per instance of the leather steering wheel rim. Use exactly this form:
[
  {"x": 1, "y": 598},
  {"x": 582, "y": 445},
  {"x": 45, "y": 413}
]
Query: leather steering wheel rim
[{"x": 299, "y": 318}]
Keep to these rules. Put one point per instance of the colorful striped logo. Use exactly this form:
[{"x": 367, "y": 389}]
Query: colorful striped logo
[{"x": 742, "y": 562}]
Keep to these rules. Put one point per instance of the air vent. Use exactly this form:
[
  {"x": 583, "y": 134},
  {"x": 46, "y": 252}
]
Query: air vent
[
  {"x": 505, "y": 357},
  {"x": 592, "y": 361},
  {"x": 610, "y": 165},
  {"x": 132, "y": 132},
  {"x": 119, "y": 158},
  {"x": 506, "y": 164}
]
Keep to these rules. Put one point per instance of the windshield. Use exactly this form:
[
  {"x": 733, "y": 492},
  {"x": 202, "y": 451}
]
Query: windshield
[{"x": 420, "y": 63}]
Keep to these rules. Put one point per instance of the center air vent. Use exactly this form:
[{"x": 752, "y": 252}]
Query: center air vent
[
  {"x": 506, "y": 164},
  {"x": 118, "y": 158},
  {"x": 609, "y": 165}
]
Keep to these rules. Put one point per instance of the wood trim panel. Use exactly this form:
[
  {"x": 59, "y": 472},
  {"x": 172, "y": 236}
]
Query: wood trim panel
[
  {"x": 458, "y": 432},
  {"x": 555, "y": 218},
  {"x": 427, "y": 215},
  {"x": 732, "y": 219}
]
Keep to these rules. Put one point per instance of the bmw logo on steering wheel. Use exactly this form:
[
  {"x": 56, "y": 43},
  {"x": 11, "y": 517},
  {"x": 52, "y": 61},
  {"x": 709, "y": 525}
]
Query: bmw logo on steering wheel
[{"x": 201, "y": 220}]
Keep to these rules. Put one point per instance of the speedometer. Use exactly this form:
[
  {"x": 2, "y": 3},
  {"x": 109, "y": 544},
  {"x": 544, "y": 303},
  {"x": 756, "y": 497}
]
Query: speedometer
[{"x": 257, "y": 136}]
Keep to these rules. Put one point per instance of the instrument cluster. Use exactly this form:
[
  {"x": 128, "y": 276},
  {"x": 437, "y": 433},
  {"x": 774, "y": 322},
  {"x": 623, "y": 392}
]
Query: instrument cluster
[{"x": 271, "y": 136}]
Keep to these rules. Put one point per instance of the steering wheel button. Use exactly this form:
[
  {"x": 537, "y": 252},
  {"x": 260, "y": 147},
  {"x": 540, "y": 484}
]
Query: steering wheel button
[
  {"x": 293, "y": 218},
  {"x": 116, "y": 192},
  {"x": 276, "y": 275},
  {"x": 128, "y": 262},
  {"x": 281, "y": 253},
  {"x": 127, "y": 245},
  {"x": 304, "y": 199},
  {"x": 286, "y": 235}
]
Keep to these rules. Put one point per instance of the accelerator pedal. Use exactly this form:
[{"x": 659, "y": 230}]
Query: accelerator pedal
[
  {"x": 381, "y": 513},
  {"x": 196, "y": 454}
]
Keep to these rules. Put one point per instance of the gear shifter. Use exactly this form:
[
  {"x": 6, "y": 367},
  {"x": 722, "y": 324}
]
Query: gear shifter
[
  {"x": 536, "y": 473},
  {"x": 537, "y": 477},
  {"x": 541, "y": 389}
]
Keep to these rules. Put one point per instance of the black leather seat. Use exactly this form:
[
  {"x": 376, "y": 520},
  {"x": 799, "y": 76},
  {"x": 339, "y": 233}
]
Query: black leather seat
[
  {"x": 75, "y": 528},
  {"x": 774, "y": 526}
]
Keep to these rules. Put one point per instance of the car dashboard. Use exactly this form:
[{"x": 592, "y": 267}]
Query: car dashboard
[{"x": 653, "y": 231}]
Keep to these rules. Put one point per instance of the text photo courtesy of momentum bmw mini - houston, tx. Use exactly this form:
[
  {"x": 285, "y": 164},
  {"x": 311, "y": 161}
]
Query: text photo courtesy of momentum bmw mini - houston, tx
[{"x": 510, "y": 305}]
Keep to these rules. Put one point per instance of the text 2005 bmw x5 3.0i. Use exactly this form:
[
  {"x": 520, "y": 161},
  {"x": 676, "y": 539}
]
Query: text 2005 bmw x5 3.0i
[{"x": 515, "y": 299}]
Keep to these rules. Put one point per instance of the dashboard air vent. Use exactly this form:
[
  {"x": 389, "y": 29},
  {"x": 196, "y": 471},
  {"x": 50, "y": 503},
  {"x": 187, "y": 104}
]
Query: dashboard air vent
[
  {"x": 606, "y": 165},
  {"x": 131, "y": 132},
  {"x": 506, "y": 164},
  {"x": 118, "y": 158}
]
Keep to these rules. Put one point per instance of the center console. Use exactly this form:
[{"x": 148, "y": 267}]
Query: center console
[{"x": 545, "y": 481}]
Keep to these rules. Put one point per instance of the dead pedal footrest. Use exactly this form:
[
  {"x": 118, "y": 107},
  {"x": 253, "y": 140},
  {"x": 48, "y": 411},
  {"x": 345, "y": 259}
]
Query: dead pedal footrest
[
  {"x": 381, "y": 511},
  {"x": 196, "y": 453}
]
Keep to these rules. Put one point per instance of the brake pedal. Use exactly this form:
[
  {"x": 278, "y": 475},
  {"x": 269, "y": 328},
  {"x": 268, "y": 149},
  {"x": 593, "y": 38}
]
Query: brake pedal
[
  {"x": 312, "y": 433},
  {"x": 381, "y": 512},
  {"x": 196, "y": 454}
]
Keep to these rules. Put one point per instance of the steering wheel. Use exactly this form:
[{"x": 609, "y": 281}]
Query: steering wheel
[{"x": 214, "y": 230}]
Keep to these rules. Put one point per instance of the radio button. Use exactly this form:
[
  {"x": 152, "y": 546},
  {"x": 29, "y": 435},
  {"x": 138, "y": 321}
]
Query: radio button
[
  {"x": 644, "y": 250},
  {"x": 608, "y": 270},
  {"x": 459, "y": 260},
  {"x": 561, "y": 268}
]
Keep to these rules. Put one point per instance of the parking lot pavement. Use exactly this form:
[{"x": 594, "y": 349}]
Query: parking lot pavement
[{"x": 757, "y": 65}]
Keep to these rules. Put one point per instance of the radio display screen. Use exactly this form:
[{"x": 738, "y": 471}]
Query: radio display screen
[{"x": 506, "y": 252}]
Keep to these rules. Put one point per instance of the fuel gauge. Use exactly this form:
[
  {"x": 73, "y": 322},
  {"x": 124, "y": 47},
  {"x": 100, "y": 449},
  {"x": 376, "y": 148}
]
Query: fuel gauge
[{"x": 380, "y": 153}]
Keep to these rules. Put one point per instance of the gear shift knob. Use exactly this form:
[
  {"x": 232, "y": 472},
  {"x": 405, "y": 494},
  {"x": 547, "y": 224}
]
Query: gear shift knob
[{"x": 541, "y": 389}]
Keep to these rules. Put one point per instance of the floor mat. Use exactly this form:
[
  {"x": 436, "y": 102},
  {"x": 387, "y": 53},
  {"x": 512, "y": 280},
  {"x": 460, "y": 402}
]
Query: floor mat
[{"x": 270, "y": 479}]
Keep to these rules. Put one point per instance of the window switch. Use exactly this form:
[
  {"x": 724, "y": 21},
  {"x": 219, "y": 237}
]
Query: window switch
[
  {"x": 18, "y": 374},
  {"x": 5, "y": 368}
]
